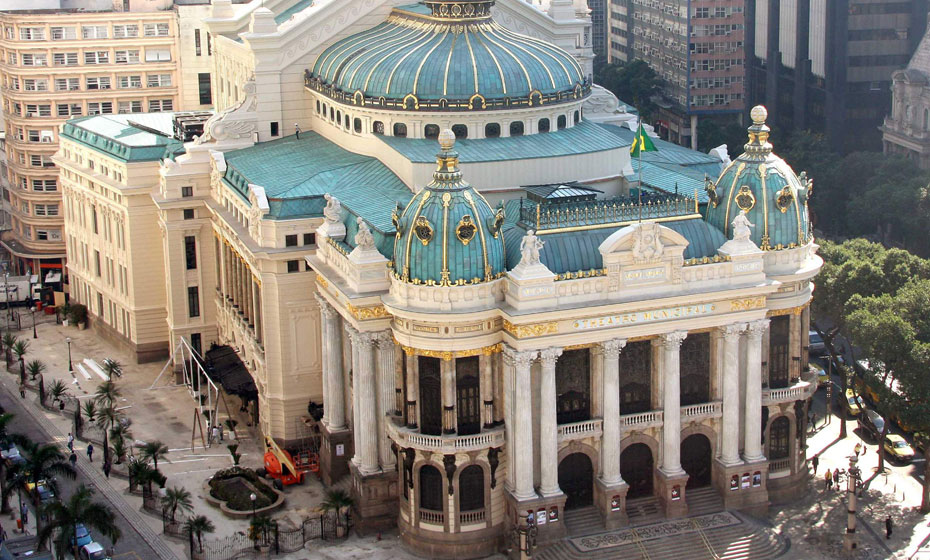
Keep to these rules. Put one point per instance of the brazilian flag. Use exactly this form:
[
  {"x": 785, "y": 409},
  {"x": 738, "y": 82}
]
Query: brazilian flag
[{"x": 642, "y": 142}]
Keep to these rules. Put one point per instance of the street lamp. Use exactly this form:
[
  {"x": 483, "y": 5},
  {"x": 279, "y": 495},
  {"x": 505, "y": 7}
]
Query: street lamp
[
  {"x": 252, "y": 497},
  {"x": 524, "y": 537},
  {"x": 858, "y": 448},
  {"x": 33, "y": 311},
  {"x": 849, "y": 540},
  {"x": 70, "y": 365}
]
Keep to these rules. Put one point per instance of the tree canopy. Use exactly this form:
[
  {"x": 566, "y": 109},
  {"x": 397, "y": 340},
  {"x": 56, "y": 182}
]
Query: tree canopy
[{"x": 633, "y": 82}]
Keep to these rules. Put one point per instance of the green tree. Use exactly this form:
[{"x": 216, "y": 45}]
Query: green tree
[
  {"x": 260, "y": 528},
  {"x": 65, "y": 516},
  {"x": 108, "y": 417},
  {"x": 35, "y": 368},
  {"x": 107, "y": 394},
  {"x": 338, "y": 500},
  {"x": 112, "y": 368},
  {"x": 58, "y": 391},
  {"x": 177, "y": 498},
  {"x": 89, "y": 409},
  {"x": 9, "y": 340},
  {"x": 20, "y": 348},
  {"x": 42, "y": 463},
  {"x": 154, "y": 450},
  {"x": 633, "y": 82},
  {"x": 197, "y": 526},
  {"x": 713, "y": 132}
]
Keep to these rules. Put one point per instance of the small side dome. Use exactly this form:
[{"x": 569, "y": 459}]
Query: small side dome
[
  {"x": 448, "y": 235},
  {"x": 762, "y": 184}
]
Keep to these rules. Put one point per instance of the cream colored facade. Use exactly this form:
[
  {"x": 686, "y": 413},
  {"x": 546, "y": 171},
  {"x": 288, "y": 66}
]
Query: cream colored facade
[{"x": 54, "y": 66}]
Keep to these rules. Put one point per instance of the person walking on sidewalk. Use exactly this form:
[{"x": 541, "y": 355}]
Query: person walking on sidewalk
[
  {"x": 215, "y": 435},
  {"x": 828, "y": 479},
  {"x": 106, "y": 468},
  {"x": 73, "y": 459},
  {"x": 815, "y": 462},
  {"x": 90, "y": 452},
  {"x": 889, "y": 526},
  {"x": 836, "y": 478},
  {"x": 22, "y": 390},
  {"x": 70, "y": 442}
]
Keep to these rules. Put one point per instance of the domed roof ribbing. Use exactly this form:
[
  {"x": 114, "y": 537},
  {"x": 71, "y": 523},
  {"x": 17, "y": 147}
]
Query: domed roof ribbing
[
  {"x": 762, "y": 184},
  {"x": 446, "y": 55},
  {"x": 448, "y": 235}
]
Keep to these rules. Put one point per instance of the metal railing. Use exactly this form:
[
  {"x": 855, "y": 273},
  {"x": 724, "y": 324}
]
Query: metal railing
[{"x": 600, "y": 212}]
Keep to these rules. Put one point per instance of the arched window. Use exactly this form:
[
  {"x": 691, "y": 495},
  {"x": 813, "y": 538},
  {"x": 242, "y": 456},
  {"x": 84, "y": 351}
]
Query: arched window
[
  {"x": 577, "y": 117},
  {"x": 561, "y": 122},
  {"x": 492, "y": 130},
  {"x": 779, "y": 342},
  {"x": 471, "y": 488},
  {"x": 400, "y": 129},
  {"x": 779, "y": 432},
  {"x": 378, "y": 128},
  {"x": 338, "y": 118},
  {"x": 460, "y": 131},
  {"x": 543, "y": 125},
  {"x": 430, "y": 488},
  {"x": 317, "y": 106},
  {"x": 358, "y": 125},
  {"x": 431, "y": 131},
  {"x": 347, "y": 121},
  {"x": 430, "y": 396},
  {"x": 516, "y": 128},
  {"x": 573, "y": 386},
  {"x": 332, "y": 114}
]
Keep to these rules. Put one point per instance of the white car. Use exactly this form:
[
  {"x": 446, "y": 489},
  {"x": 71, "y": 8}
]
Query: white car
[{"x": 92, "y": 551}]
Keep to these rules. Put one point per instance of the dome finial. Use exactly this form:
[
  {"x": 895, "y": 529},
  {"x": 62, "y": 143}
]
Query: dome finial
[
  {"x": 446, "y": 139},
  {"x": 758, "y": 146},
  {"x": 758, "y": 114}
]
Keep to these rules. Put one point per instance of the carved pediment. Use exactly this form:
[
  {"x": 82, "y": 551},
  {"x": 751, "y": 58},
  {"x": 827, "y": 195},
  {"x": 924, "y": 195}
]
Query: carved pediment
[{"x": 643, "y": 254}]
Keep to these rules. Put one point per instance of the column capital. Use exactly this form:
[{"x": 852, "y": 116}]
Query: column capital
[
  {"x": 732, "y": 331},
  {"x": 326, "y": 310},
  {"x": 520, "y": 358},
  {"x": 350, "y": 330},
  {"x": 613, "y": 346},
  {"x": 755, "y": 329},
  {"x": 550, "y": 354},
  {"x": 384, "y": 338},
  {"x": 672, "y": 340}
]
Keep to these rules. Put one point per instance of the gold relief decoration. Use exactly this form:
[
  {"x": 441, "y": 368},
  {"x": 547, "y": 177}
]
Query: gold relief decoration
[
  {"x": 711, "y": 189},
  {"x": 785, "y": 196},
  {"x": 466, "y": 230},
  {"x": 745, "y": 199},
  {"x": 747, "y": 304},
  {"x": 395, "y": 220},
  {"x": 786, "y": 311},
  {"x": 497, "y": 221},
  {"x": 370, "y": 312},
  {"x": 449, "y": 355},
  {"x": 527, "y": 331},
  {"x": 322, "y": 281},
  {"x": 423, "y": 230},
  {"x": 579, "y": 346}
]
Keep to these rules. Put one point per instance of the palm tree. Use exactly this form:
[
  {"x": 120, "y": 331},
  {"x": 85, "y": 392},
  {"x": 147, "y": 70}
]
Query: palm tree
[
  {"x": 108, "y": 417},
  {"x": 177, "y": 498},
  {"x": 58, "y": 390},
  {"x": 35, "y": 368},
  {"x": 89, "y": 408},
  {"x": 118, "y": 445},
  {"x": 198, "y": 526},
  {"x": 154, "y": 450},
  {"x": 336, "y": 499},
  {"x": 112, "y": 368},
  {"x": 65, "y": 516},
  {"x": 259, "y": 528},
  {"x": 41, "y": 463},
  {"x": 20, "y": 348},
  {"x": 9, "y": 341},
  {"x": 107, "y": 393}
]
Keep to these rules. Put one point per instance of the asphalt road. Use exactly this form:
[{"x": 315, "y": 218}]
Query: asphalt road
[{"x": 131, "y": 545}]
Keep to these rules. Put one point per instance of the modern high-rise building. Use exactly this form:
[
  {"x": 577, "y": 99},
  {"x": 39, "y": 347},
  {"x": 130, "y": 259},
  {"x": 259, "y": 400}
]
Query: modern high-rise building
[
  {"x": 827, "y": 66},
  {"x": 696, "y": 48},
  {"x": 61, "y": 60},
  {"x": 598, "y": 26}
]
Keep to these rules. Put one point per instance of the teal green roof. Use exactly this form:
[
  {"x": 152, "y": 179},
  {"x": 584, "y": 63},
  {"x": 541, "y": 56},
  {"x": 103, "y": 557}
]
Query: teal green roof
[
  {"x": 299, "y": 6},
  {"x": 130, "y": 138},
  {"x": 448, "y": 234},
  {"x": 417, "y": 61},
  {"x": 296, "y": 173},
  {"x": 583, "y": 138},
  {"x": 766, "y": 187},
  {"x": 671, "y": 153},
  {"x": 670, "y": 178}
]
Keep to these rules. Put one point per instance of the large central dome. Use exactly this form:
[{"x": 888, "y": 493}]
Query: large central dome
[{"x": 446, "y": 55}]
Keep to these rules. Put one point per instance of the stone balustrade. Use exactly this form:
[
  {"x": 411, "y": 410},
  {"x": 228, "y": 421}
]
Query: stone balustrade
[
  {"x": 471, "y": 517},
  {"x": 779, "y": 468},
  {"x": 580, "y": 430},
  {"x": 446, "y": 444},
  {"x": 642, "y": 420},
  {"x": 702, "y": 411},
  {"x": 432, "y": 517},
  {"x": 800, "y": 391}
]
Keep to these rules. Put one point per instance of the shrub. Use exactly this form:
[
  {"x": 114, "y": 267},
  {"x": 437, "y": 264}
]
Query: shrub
[
  {"x": 228, "y": 485},
  {"x": 77, "y": 313}
]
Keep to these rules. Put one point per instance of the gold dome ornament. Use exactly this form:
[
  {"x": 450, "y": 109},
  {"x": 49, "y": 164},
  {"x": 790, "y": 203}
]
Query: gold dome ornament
[
  {"x": 466, "y": 230},
  {"x": 758, "y": 114}
]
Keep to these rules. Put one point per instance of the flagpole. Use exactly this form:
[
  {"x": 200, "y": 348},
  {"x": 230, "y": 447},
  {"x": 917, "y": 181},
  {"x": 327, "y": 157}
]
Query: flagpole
[{"x": 639, "y": 130}]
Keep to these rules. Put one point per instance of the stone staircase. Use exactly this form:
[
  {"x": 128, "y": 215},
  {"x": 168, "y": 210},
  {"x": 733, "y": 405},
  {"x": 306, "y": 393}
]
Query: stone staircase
[
  {"x": 583, "y": 521},
  {"x": 640, "y": 511},
  {"x": 703, "y": 500}
]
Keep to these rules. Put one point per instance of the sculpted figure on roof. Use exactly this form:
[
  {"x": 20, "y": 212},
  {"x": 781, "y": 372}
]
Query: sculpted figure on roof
[
  {"x": 363, "y": 239},
  {"x": 741, "y": 227},
  {"x": 333, "y": 210},
  {"x": 529, "y": 248}
]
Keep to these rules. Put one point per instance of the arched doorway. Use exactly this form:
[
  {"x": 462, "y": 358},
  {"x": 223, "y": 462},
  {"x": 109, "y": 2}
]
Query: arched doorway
[
  {"x": 576, "y": 479},
  {"x": 636, "y": 468},
  {"x": 696, "y": 460}
]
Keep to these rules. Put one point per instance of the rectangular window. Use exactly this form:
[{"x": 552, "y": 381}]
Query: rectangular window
[
  {"x": 102, "y": 108},
  {"x": 128, "y": 82},
  {"x": 193, "y": 301},
  {"x": 67, "y": 84},
  {"x": 293, "y": 266},
  {"x": 42, "y": 235},
  {"x": 35, "y": 60},
  {"x": 156, "y": 29},
  {"x": 309, "y": 239},
  {"x": 157, "y": 55},
  {"x": 94, "y": 31},
  {"x": 97, "y": 262},
  {"x": 38, "y": 110},
  {"x": 125, "y": 31},
  {"x": 190, "y": 252},
  {"x": 188, "y": 213},
  {"x": 32, "y": 33},
  {"x": 45, "y": 185},
  {"x": 209, "y": 45},
  {"x": 158, "y": 80},
  {"x": 64, "y": 33},
  {"x": 126, "y": 57},
  {"x": 158, "y": 105},
  {"x": 93, "y": 214},
  {"x": 206, "y": 89},
  {"x": 275, "y": 128},
  {"x": 102, "y": 82},
  {"x": 187, "y": 192},
  {"x": 96, "y": 57},
  {"x": 35, "y": 85},
  {"x": 65, "y": 59},
  {"x": 126, "y": 107},
  {"x": 197, "y": 42},
  {"x": 69, "y": 109},
  {"x": 290, "y": 240}
]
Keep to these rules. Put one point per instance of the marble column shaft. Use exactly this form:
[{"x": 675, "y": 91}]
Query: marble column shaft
[
  {"x": 548, "y": 424},
  {"x": 610, "y": 438},
  {"x": 752, "y": 446},
  {"x": 333, "y": 390},
  {"x": 729, "y": 454},
  {"x": 485, "y": 366},
  {"x": 671, "y": 427},
  {"x": 366, "y": 404},
  {"x": 521, "y": 412},
  {"x": 385, "y": 353},
  {"x": 448, "y": 377}
]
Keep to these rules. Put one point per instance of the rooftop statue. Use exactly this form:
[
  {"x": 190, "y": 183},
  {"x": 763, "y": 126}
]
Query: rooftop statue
[
  {"x": 364, "y": 241},
  {"x": 529, "y": 248},
  {"x": 741, "y": 227},
  {"x": 333, "y": 210}
]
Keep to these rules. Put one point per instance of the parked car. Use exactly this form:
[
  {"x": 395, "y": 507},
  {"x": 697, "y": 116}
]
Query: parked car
[
  {"x": 871, "y": 423},
  {"x": 46, "y": 494},
  {"x": 854, "y": 403},
  {"x": 898, "y": 448},
  {"x": 822, "y": 377},
  {"x": 815, "y": 344},
  {"x": 11, "y": 453},
  {"x": 82, "y": 534},
  {"x": 92, "y": 551}
]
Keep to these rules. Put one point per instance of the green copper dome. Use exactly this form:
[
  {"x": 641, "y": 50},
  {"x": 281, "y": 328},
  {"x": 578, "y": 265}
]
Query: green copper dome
[
  {"x": 762, "y": 184},
  {"x": 446, "y": 55},
  {"x": 448, "y": 235}
]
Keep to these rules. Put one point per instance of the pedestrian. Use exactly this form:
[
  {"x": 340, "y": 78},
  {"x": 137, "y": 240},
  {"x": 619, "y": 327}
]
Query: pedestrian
[
  {"x": 215, "y": 434},
  {"x": 73, "y": 459},
  {"x": 815, "y": 462},
  {"x": 814, "y": 420},
  {"x": 24, "y": 514},
  {"x": 828, "y": 479},
  {"x": 889, "y": 526},
  {"x": 836, "y": 478},
  {"x": 106, "y": 468},
  {"x": 22, "y": 390},
  {"x": 90, "y": 452},
  {"x": 70, "y": 441},
  {"x": 220, "y": 428}
]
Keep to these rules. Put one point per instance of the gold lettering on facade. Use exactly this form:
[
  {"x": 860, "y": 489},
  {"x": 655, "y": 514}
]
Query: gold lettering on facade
[
  {"x": 469, "y": 328},
  {"x": 425, "y": 328}
]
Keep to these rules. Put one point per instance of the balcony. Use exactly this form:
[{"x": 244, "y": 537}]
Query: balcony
[
  {"x": 446, "y": 444},
  {"x": 471, "y": 517},
  {"x": 642, "y": 420},
  {"x": 701, "y": 411},
  {"x": 580, "y": 430},
  {"x": 800, "y": 391},
  {"x": 779, "y": 468},
  {"x": 432, "y": 517}
]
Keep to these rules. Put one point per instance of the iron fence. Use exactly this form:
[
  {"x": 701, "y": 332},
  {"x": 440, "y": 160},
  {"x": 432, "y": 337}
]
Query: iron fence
[{"x": 276, "y": 541}]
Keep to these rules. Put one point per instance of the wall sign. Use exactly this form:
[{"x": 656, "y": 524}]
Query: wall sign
[
  {"x": 340, "y": 449},
  {"x": 637, "y": 317}
]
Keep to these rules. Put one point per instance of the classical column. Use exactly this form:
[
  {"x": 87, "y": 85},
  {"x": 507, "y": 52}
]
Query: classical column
[
  {"x": 259, "y": 328},
  {"x": 610, "y": 437},
  {"x": 671, "y": 427},
  {"x": 448, "y": 375},
  {"x": 519, "y": 412},
  {"x": 752, "y": 447},
  {"x": 729, "y": 454},
  {"x": 794, "y": 347},
  {"x": 548, "y": 426},
  {"x": 366, "y": 404},
  {"x": 412, "y": 372},
  {"x": 385, "y": 354},
  {"x": 485, "y": 363},
  {"x": 327, "y": 317}
]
